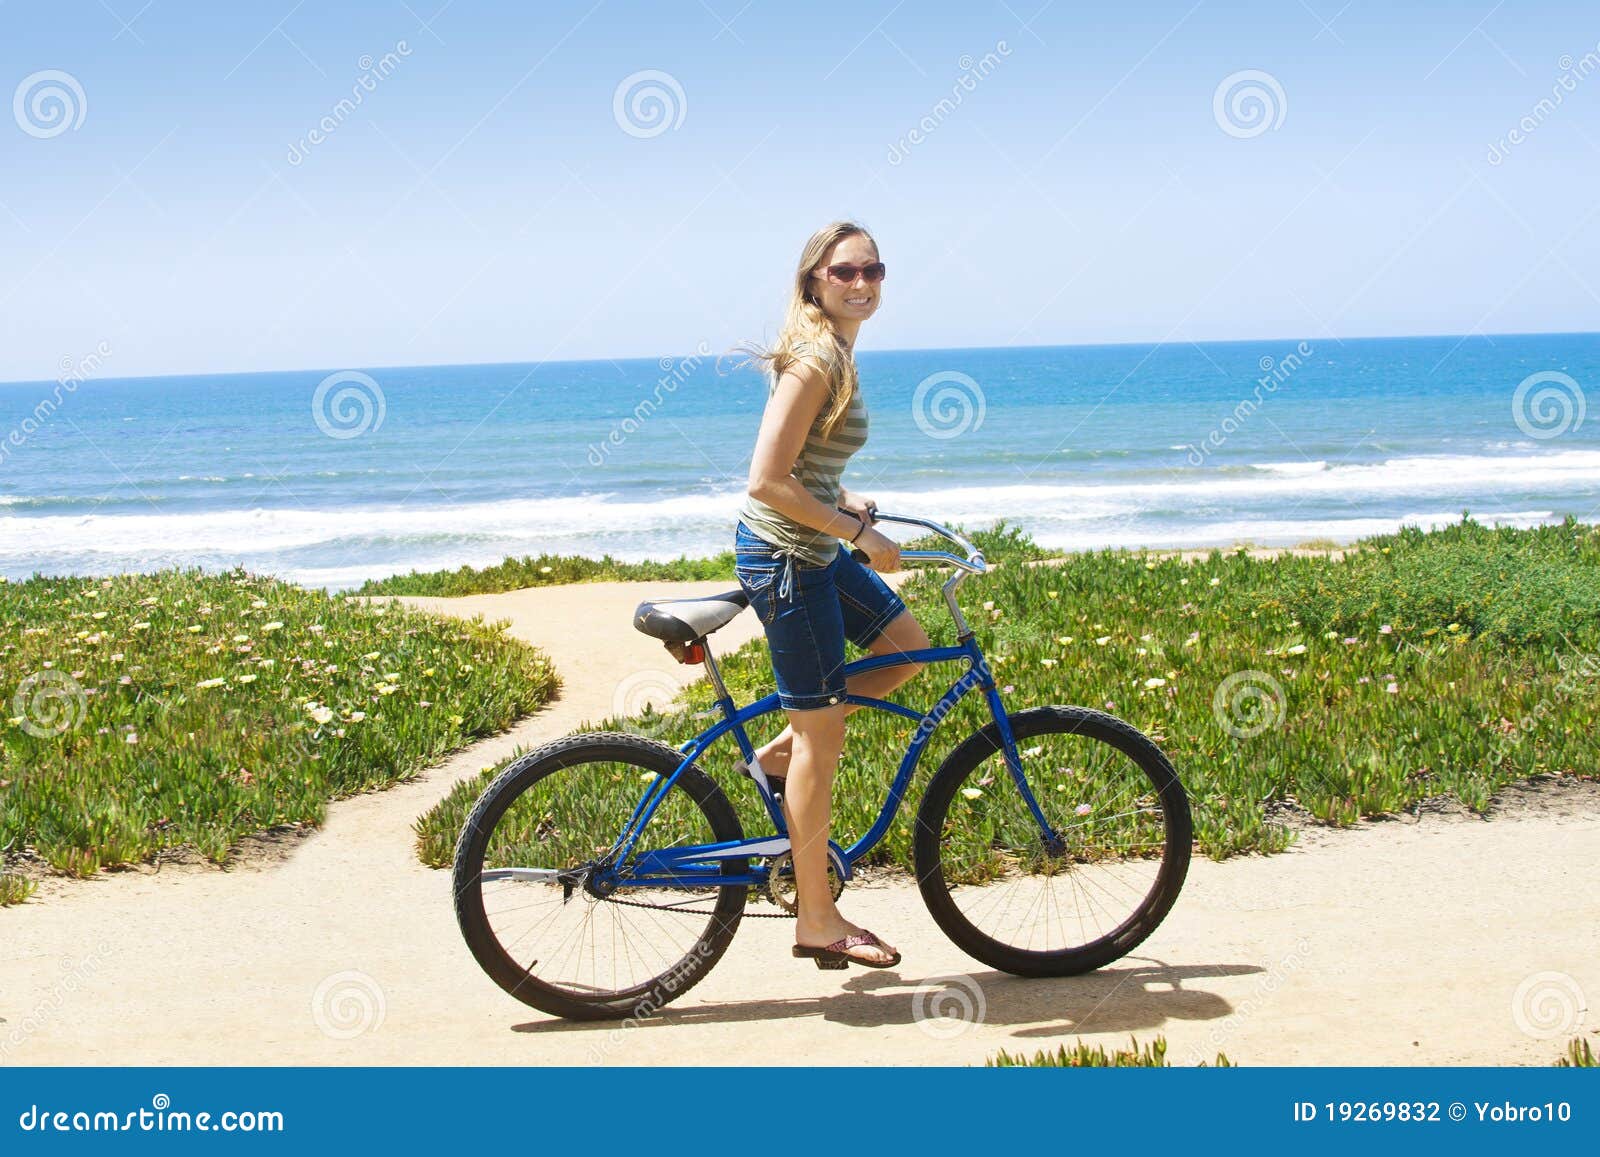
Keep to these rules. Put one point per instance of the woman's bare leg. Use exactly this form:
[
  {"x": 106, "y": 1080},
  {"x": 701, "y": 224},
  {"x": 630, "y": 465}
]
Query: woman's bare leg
[
  {"x": 902, "y": 634},
  {"x": 818, "y": 740}
]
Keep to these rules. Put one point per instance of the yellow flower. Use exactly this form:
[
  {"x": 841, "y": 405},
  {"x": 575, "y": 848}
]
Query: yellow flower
[
  {"x": 1064, "y": 640},
  {"x": 211, "y": 683},
  {"x": 1052, "y": 594},
  {"x": 244, "y": 678},
  {"x": 195, "y": 629},
  {"x": 427, "y": 673},
  {"x": 370, "y": 655},
  {"x": 268, "y": 628},
  {"x": 972, "y": 792},
  {"x": 99, "y": 614}
]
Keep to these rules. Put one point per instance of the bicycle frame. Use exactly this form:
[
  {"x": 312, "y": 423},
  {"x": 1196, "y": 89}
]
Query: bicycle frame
[{"x": 701, "y": 865}]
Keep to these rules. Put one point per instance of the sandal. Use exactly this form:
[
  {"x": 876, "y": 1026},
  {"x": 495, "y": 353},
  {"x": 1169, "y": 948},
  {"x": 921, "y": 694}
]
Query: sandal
[
  {"x": 775, "y": 782},
  {"x": 836, "y": 955}
]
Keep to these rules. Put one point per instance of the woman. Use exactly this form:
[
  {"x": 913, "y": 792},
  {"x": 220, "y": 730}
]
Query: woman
[{"x": 808, "y": 591}]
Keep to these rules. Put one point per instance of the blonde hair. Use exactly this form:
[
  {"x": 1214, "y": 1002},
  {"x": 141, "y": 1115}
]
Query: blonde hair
[{"x": 807, "y": 334}]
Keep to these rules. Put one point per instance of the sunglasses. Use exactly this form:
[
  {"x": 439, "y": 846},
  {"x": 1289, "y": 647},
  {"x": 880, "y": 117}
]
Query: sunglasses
[{"x": 847, "y": 274}]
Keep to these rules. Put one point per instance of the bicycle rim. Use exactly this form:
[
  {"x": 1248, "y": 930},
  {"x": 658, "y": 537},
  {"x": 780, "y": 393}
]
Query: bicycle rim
[
  {"x": 1013, "y": 900},
  {"x": 559, "y": 944}
]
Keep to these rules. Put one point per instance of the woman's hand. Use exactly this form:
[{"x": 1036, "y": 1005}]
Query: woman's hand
[
  {"x": 883, "y": 552},
  {"x": 858, "y": 506}
]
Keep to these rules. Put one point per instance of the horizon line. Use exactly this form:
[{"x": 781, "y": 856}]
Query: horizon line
[{"x": 892, "y": 350}]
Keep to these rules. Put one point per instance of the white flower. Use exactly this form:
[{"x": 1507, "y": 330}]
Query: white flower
[
  {"x": 1155, "y": 681},
  {"x": 211, "y": 683},
  {"x": 1103, "y": 640},
  {"x": 268, "y": 628},
  {"x": 1297, "y": 649},
  {"x": 972, "y": 792}
]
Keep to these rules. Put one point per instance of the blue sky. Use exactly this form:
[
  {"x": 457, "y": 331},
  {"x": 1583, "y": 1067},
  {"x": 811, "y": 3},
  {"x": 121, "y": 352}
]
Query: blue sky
[{"x": 485, "y": 203}]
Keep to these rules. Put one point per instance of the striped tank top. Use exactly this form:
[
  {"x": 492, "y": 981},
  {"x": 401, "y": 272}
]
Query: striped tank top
[{"x": 817, "y": 467}]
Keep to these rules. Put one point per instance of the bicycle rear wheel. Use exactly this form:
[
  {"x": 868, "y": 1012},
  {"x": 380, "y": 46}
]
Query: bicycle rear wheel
[
  {"x": 568, "y": 946},
  {"x": 1007, "y": 896}
]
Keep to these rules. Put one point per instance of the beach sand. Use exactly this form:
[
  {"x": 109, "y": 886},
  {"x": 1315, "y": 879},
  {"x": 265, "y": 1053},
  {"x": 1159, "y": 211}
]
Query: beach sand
[{"x": 1400, "y": 941}]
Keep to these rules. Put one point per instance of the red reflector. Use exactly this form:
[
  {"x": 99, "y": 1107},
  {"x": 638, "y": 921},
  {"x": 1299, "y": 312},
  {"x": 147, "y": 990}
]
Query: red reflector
[{"x": 687, "y": 652}]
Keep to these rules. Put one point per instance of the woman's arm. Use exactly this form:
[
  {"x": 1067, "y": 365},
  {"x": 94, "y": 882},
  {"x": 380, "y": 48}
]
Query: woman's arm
[{"x": 795, "y": 402}]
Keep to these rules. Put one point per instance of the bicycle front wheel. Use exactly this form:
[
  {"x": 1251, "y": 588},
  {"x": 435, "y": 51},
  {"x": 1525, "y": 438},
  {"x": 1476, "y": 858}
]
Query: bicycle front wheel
[
  {"x": 526, "y": 869},
  {"x": 1074, "y": 899}
]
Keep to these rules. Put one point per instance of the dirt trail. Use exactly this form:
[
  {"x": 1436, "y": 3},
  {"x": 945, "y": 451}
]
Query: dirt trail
[{"x": 1398, "y": 942}]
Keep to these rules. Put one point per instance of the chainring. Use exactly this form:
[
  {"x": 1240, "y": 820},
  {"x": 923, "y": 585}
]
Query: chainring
[{"x": 780, "y": 887}]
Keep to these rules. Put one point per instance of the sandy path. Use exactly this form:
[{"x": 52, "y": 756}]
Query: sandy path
[{"x": 1397, "y": 942}]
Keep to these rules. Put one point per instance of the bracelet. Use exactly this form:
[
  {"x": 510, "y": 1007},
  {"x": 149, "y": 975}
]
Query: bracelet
[{"x": 859, "y": 529}]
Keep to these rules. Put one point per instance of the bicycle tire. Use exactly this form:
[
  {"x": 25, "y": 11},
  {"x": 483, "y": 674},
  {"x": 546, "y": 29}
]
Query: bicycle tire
[
  {"x": 929, "y": 841},
  {"x": 529, "y": 771}
]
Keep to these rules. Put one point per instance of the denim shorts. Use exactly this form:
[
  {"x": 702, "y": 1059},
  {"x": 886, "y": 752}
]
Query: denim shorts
[{"x": 809, "y": 613}]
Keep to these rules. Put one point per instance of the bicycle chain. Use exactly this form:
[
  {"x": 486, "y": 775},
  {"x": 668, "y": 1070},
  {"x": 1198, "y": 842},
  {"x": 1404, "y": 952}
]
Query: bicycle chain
[{"x": 699, "y": 911}]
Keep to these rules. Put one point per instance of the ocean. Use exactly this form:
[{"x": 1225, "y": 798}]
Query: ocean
[{"x": 329, "y": 477}]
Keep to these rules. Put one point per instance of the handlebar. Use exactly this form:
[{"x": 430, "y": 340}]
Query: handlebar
[{"x": 972, "y": 564}]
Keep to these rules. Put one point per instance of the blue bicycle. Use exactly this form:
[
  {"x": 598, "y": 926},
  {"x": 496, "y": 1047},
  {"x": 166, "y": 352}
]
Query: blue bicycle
[{"x": 602, "y": 875}]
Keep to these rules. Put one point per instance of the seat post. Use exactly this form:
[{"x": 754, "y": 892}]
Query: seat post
[{"x": 713, "y": 672}]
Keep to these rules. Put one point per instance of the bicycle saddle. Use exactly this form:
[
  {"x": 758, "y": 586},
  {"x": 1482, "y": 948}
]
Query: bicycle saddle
[{"x": 685, "y": 620}]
